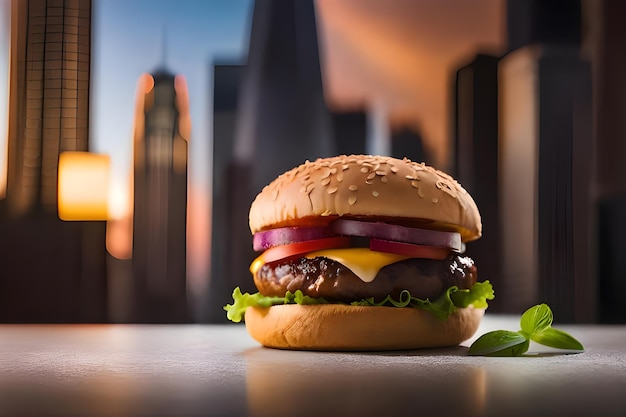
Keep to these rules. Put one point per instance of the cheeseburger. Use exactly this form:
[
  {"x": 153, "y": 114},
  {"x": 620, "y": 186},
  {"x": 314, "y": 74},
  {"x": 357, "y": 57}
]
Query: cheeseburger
[{"x": 362, "y": 252}]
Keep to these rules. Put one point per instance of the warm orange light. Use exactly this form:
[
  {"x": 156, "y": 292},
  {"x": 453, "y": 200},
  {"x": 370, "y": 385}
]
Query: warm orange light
[
  {"x": 119, "y": 237},
  {"x": 83, "y": 186}
]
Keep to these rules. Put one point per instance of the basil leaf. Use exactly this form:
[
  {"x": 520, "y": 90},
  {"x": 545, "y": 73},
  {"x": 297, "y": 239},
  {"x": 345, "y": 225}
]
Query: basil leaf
[
  {"x": 536, "y": 319},
  {"x": 515, "y": 350},
  {"x": 499, "y": 343},
  {"x": 557, "y": 339}
]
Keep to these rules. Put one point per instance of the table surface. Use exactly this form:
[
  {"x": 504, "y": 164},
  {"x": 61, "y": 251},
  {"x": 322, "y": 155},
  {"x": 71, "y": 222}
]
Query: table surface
[{"x": 218, "y": 370}]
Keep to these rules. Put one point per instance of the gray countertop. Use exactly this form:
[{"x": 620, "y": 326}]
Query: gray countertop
[{"x": 218, "y": 370}]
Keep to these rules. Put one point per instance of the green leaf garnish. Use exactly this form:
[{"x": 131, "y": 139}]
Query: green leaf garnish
[
  {"x": 536, "y": 319},
  {"x": 442, "y": 307},
  {"x": 500, "y": 343},
  {"x": 536, "y": 325},
  {"x": 557, "y": 339}
]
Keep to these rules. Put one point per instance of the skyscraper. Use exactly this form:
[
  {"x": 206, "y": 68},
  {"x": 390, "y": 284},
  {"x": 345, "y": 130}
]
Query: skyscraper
[
  {"x": 226, "y": 83},
  {"x": 48, "y": 99},
  {"x": 282, "y": 118},
  {"x": 160, "y": 205},
  {"x": 51, "y": 271}
]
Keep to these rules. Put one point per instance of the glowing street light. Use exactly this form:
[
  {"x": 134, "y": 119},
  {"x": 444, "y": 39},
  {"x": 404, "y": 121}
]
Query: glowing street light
[{"x": 83, "y": 192}]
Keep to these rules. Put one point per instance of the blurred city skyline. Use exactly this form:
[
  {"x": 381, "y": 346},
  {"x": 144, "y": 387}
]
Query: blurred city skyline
[
  {"x": 131, "y": 38},
  {"x": 387, "y": 59},
  {"x": 438, "y": 70},
  {"x": 137, "y": 37}
]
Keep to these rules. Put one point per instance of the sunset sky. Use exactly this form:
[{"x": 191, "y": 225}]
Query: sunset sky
[
  {"x": 393, "y": 55},
  {"x": 398, "y": 56},
  {"x": 133, "y": 37}
]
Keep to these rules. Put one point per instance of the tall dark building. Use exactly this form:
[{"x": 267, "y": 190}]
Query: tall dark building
[
  {"x": 545, "y": 143},
  {"x": 160, "y": 207},
  {"x": 50, "y": 270},
  {"x": 476, "y": 156},
  {"x": 226, "y": 83},
  {"x": 282, "y": 117},
  {"x": 350, "y": 131},
  {"x": 49, "y": 97},
  {"x": 406, "y": 142}
]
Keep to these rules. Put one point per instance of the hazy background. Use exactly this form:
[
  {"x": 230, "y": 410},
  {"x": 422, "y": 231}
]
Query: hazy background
[{"x": 399, "y": 64}]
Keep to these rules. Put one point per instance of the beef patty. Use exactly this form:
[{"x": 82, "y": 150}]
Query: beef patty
[{"x": 331, "y": 280}]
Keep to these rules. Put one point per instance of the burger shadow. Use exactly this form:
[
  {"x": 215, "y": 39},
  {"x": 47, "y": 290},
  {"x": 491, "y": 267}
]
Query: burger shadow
[
  {"x": 441, "y": 351},
  {"x": 425, "y": 352}
]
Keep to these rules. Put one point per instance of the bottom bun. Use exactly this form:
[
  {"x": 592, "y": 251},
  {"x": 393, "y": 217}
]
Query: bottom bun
[{"x": 342, "y": 327}]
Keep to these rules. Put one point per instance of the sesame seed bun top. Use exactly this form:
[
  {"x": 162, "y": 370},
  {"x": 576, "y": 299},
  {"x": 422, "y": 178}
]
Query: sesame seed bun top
[{"x": 364, "y": 186}]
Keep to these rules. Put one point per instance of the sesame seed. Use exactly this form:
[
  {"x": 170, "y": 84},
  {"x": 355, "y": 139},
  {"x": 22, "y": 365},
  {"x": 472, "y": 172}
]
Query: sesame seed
[
  {"x": 371, "y": 175},
  {"x": 383, "y": 179},
  {"x": 435, "y": 200},
  {"x": 365, "y": 170},
  {"x": 353, "y": 187},
  {"x": 375, "y": 193},
  {"x": 381, "y": 172},
  {"x": 352, "y": 200},
  {"x": 332, "y": 190},
  {"x": 326, "y": 181}
]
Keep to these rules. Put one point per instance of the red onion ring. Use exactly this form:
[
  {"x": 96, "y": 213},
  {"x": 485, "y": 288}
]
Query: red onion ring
[
  {"x": 394, "y": 232},
  {"x": 286, "y": 235}
]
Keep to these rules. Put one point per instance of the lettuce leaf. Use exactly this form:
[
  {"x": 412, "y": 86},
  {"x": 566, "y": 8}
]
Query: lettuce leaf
[
  {"x": 236, "y": 311},
  {"x": 442, "y": 307}
]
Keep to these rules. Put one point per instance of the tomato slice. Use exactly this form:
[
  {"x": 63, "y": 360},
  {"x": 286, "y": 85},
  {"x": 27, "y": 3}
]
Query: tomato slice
[
  {"x": 408, "y": 249},
  {"x": 286, "y": 251}
]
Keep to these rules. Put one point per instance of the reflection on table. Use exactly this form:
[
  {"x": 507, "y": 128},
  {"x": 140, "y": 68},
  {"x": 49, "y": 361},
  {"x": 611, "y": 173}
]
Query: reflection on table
[{"x": 129, "y": 370}]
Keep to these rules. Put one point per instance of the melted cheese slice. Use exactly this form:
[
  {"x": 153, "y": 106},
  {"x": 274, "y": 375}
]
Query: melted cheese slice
[{"x": 363, "y": 262}]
